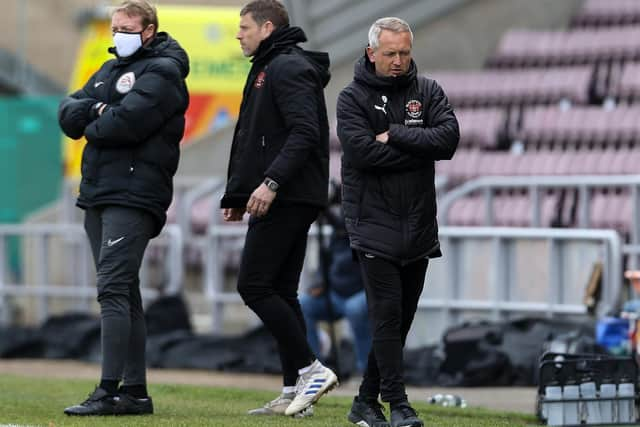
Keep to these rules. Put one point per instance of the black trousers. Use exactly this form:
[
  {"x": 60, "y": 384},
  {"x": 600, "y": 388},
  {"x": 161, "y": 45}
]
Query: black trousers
[
  {"x": 392, "y": 292},
  {"x": 272, "y": 260},
  {"x": 119, "y": 236}
]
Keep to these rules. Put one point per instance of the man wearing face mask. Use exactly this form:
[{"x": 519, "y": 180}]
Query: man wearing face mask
[
  {"x": 131, "y": 112},
  {"x": 393, "y": 125},
  {"x": 279, "y": 174}
]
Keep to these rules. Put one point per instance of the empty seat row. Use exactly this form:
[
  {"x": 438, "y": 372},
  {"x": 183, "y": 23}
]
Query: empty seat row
[
  {"x": 579, "y": 127},
  {"x": 597, "y": 13},
  {"x": 516, "y": 87},
  {"x": 526, "y": 48},
  {"x": 481, "y": 128},
  {"x": 625, "y": 82},
  {"x": 606, "y": 210},
  {"x": 470, "y": 164}
]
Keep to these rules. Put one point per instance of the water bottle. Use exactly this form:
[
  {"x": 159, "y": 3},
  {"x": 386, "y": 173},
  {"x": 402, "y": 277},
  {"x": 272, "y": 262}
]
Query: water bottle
[
  {"x": 607, "y": 397},
  {"x": 571, "y": 391},
  {"x": 591, "y": 406},
  {"x": 626, "y": 407},
  {"x": 448, "y": 400},
  {"x": 554, "y": 410}
]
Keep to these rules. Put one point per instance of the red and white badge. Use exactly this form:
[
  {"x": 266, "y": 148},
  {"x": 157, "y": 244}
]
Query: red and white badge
[
  {"x": 414, "y": 108},
  {"x": 260, "y": 80},
  {"x": 125, "y": 82}
]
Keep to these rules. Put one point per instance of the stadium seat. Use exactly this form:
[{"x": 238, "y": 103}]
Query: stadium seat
[
  {"x": 598, "y": 13},
  {"x": 531, "y": 48},
  {"x": 516, "y": 87},
  {"x": 481, "y": 128}
]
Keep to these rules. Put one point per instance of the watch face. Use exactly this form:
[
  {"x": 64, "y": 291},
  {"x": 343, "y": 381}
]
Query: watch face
[{"x": 272, "y": 186}]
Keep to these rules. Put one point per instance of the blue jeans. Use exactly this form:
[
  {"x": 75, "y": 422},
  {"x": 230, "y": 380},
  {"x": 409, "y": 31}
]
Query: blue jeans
[{"x": 354, "y": 308}]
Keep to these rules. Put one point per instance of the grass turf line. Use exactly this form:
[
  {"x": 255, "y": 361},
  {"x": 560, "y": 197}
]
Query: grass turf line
[{"x": 40, "y": 402}]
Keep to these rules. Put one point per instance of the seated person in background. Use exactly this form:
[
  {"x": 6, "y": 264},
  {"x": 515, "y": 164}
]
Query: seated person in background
[{"x": 347, "y": 295}]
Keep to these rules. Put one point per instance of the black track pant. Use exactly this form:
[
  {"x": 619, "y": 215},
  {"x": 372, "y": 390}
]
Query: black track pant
[
  {"x": 118, "y": 237},
  {"x": 393, "y": 292},
  {"x": 270, "y": 269}
]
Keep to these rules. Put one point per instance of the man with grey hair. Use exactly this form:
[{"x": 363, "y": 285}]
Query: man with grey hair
[{"x": 393, "y": 125}]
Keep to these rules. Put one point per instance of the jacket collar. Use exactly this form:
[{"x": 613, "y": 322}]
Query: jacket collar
[{"x": 280, "y": 39}]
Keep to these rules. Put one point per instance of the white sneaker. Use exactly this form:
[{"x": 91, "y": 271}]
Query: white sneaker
[
  {"x": 311, "y": 386},
  {"x": 278, "y": 405}
]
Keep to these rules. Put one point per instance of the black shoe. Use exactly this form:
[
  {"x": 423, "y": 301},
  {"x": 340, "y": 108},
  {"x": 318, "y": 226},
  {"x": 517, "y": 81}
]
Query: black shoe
[
  {"x": 129, "y": 405},
  {"x": 403, "y": 415},
  {"x": 367, "y": 413},
  {"x": 99, "y": 403}
]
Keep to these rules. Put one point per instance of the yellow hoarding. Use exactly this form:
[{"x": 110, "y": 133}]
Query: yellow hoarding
[{"x": 218, "y": 68}]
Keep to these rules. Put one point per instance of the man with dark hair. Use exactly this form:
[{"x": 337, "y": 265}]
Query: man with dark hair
[
  {"x": 279, "y": 174},
  {"x": 393, "y": 125},
  {"x": 131, "y": 111}
]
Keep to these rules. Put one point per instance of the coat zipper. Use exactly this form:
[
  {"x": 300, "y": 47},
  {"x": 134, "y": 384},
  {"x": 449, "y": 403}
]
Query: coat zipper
[{"x": 264, "y": 155}]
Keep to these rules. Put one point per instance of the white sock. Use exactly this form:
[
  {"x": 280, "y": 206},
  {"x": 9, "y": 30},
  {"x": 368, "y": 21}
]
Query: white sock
[
  {"x": 306, "y": 368},
  {"x": 289, "y": 389}
]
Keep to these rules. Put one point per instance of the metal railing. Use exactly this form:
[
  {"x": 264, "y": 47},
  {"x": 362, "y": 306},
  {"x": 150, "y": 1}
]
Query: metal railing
[
  {"x": 214, "y": 270},
  {"x": 501, "y": 270},
  {"x": 534, "y": 185},
  {"x": 73, "y": 262}
]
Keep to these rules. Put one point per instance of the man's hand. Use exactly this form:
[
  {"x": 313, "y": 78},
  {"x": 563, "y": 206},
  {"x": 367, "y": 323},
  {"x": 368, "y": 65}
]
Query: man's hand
[
  {"x": 260, "y": 201},
  {"x": 383, "y": 137},
  {"x": 233, "y": 214}
]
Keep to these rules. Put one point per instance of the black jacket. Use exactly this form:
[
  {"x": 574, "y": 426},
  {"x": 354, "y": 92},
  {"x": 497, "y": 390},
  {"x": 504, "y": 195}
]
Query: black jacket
[
  {"x": 282, "y": 131},
  {"x": 388, "y": 190},
  {"x": 133, "y": 148}
]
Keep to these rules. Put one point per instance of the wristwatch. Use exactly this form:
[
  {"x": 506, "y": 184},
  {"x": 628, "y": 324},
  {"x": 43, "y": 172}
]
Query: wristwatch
[{"x": 271, "y": 184}]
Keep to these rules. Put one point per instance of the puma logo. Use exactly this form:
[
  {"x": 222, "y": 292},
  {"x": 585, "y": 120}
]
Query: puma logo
[{"x": 384, "y": 105}]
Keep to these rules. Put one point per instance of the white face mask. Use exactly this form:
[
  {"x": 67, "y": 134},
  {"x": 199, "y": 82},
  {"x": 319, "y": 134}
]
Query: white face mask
[{"x": 127, "y": 43}]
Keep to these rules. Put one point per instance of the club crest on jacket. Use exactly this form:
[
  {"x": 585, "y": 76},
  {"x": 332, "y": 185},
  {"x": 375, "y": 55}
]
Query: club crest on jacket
[
  {"x": 413, "y": 110},
  {"x": 260, "y": 80},
  {"x": 125, "y": 82}
]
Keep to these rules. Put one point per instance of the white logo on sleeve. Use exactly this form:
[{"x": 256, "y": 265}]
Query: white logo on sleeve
[
  {"x": 98, "y": 84},
  {"x": 125, "y": 82},
  {"x": 384, "y": 105},
  {"x": 114, "y": 242}
]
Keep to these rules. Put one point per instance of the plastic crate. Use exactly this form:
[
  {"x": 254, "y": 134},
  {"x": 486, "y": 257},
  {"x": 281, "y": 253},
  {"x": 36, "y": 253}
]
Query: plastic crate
[{"x": 587, "y": 389}]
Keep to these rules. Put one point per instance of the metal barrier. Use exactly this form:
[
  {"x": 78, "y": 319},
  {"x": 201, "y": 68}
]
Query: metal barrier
[
  {"x": 535, "y": 184},
  {"x": 500, "y": 269},
  {"x": 78, "y": 273},
  {"x": 213, "y": 269}
]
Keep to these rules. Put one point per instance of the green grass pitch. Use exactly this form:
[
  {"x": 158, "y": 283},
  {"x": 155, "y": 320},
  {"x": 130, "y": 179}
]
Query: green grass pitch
[{"x": 39, "y": 402}]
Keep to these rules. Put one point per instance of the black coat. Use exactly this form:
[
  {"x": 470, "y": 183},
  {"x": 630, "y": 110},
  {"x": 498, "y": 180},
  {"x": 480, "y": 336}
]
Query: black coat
[
  {"x": 388, "y": 190},
  {"x": 282, "y": 131},
  {"x": 133, "y": 148}
]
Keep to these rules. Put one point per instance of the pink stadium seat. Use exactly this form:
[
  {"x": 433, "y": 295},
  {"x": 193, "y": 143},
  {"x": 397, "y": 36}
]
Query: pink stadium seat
[
  {"x": 611, "y": 211},
  {"x": 481, "y": 127},
  {"x": 596, "y": 13},
  {"x": 335, "y": 164},
  {"x": 580, "y": 127},
  {"x": 334, "y": 142},
  {"x": 513, "y": 87},
  {"x": 625, "y": 85},
  {"x": 509, "y": 210},
  {"x": 522, "y": 48}
]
